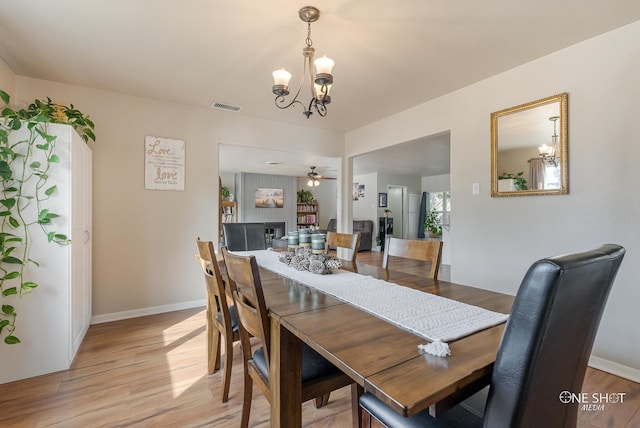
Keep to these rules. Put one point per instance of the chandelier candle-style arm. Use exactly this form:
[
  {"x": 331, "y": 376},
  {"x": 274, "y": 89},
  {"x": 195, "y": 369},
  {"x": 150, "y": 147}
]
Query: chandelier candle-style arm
[{"x": 319, "y": 85}]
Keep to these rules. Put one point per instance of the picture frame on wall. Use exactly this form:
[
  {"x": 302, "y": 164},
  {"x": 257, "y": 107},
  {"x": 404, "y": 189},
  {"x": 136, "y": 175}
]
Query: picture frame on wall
[
  {"x": 269, "y": 198},
  {"x": 382, "y": 200}
]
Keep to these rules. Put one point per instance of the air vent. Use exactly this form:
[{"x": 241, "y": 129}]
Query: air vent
[{"x": 227, "y": 107}]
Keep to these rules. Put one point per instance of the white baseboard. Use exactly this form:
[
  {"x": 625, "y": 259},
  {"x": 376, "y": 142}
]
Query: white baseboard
[
  {"x": 115, "y": 316},
  {"x": 615, "y": 368}
]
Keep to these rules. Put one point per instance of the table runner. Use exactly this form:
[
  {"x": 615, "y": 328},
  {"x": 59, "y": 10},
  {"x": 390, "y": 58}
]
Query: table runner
[{"x": 436, "y": 318}]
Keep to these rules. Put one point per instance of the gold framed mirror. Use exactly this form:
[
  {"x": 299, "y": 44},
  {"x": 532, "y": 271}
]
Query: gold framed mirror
[{"x": 529, "y": 148}]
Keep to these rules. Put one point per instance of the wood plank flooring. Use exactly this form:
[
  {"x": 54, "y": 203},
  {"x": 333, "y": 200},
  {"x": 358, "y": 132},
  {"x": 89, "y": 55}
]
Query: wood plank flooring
[{"x": 152, "y": 372}]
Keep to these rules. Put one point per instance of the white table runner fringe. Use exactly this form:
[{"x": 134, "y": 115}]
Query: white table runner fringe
[
  {"x": 437, "y": 319},
  {"x": 437, "y": 348}
]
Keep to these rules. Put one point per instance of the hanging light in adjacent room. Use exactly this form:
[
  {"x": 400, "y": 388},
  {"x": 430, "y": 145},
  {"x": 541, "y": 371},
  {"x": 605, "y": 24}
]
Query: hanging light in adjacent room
[
  {"x": 313, "y": 178},
  {"x": 549, "y": 153},
  {"x": 318, "y": 85}
]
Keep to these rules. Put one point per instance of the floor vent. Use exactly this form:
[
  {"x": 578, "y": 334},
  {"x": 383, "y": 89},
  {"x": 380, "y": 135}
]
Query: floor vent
[{"x": 227, "y": 107}]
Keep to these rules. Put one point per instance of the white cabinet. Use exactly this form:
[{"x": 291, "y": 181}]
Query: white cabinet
[{"x": 53, "y": 319}]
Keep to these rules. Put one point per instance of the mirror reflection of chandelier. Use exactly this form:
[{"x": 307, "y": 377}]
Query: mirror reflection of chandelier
[
  {"x": 319, "y": 85},
  {"x": 549, "y": 153}
]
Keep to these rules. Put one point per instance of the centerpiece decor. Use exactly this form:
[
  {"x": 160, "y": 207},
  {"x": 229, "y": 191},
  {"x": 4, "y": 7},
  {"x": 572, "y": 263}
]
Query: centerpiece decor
[{"x": 303, "y": 258}]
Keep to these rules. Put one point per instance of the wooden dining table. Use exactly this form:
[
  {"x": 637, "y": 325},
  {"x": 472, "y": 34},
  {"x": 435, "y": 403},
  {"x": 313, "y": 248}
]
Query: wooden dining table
[{"x": 379, "y": 356}]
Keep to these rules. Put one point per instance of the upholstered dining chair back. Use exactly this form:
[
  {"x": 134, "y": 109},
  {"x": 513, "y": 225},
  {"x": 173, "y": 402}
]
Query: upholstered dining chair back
[
  {"x": 548, "y": 339},
  {"x": 244, "y": 236},
  {"x": 221, "y": 317},
  {"x": 319, "y": 377},
  {"x": 544, "y": 350},
  {"x": 350, "y": 241},
  {"x": 428, "y": 251}
]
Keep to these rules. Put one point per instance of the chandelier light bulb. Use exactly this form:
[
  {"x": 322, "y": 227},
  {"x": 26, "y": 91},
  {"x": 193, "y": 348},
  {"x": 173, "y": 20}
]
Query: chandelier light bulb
[
  {"x": 281, "y": 77},
  {"x": 324, "y": 65},
  {"x": 544, "y": 149}
]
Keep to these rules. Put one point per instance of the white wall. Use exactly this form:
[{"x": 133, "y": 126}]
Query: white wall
[
  {"x": 7, "y": 80},
  {"x": 601, "y": 77},
  {"x": 144, "y": 240},
  {"x": 365, "y": 208}
]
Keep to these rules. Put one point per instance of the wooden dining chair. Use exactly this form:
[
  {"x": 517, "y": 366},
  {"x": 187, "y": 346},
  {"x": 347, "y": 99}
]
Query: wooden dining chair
[
  {"x": 319, "y": 376},
  {"x": 222, "y": 320},
  {"x": 544, "y": 349},
  {"x": 349, "y": 241},
  {"x": 428, "y": 251}
]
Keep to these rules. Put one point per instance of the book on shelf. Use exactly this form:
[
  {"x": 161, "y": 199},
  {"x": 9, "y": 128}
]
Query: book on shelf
[{"x": 307, "y": 219}]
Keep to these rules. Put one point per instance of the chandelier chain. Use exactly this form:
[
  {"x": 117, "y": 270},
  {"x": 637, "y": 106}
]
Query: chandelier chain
[{"x": 308, "y": 40}]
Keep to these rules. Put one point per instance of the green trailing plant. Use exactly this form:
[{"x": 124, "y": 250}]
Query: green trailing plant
[
  {"x": 432, "y": 223},
  {"x": 25, "y": 167},
  {"x": 305, "y": 196},
  {"x": 518, "y": 179},
  {"x": 225, "y": 192}
]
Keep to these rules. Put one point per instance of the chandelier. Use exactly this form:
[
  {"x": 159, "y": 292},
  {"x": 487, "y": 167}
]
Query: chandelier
[
  {"x": 319, "y": 86},
  {"x": 549, "y": 153},
  {"x": 313, "y": 177}
]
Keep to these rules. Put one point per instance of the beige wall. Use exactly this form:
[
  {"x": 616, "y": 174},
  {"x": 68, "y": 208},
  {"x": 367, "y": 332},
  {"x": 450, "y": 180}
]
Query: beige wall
[
  {"x": 603, "y": 206},
  {"x": 143, "y": 244},
  {"x": 7, "y": 79}
]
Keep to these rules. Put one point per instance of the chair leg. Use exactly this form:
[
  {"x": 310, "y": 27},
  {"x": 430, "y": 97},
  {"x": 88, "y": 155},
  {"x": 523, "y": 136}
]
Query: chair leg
[
  {"x": 213, "y": 349},
  {"x": 322, "y": 400},
  {"x": 228, "y": 359},
  {"x": 246, "y": 400}
]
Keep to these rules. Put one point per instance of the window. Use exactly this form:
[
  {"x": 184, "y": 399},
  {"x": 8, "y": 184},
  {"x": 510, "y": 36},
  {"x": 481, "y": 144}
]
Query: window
[{"x": 441, "y": 202}]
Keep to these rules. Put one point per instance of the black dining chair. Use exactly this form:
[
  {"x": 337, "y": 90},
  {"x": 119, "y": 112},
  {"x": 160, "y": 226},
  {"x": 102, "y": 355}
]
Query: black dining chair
[
  {"x": 544, "y": 349},
  {"x": 244, "y": 236}
]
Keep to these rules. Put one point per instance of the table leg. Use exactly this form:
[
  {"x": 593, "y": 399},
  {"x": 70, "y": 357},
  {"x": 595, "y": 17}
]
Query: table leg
[
  {"x": 356, "y": 414},
  {"x": 285, "y": 379}
]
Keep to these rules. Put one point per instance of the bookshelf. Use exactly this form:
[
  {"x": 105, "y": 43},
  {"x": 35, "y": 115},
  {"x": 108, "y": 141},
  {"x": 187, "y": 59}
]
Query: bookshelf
[
  {"x": 307, "y": 214},
  {"x": 227, "y": 213}
]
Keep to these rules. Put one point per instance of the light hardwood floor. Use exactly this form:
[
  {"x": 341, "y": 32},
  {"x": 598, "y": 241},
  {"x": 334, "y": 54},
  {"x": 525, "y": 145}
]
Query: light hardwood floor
[{"x": 152, "y": 372}]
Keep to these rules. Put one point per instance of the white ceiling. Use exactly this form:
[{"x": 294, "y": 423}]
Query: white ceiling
[{"x": 390, "y": 55}]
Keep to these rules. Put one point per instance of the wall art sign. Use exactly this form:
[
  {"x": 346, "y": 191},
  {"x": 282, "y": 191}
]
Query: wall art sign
[{"x": 164, "y": 163}]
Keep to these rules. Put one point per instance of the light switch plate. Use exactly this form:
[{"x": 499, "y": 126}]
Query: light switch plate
[{"x": 475, "y": 188}]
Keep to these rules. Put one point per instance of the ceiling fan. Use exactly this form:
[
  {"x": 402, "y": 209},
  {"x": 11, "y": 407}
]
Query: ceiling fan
[{"x": 314, "y": 177}]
